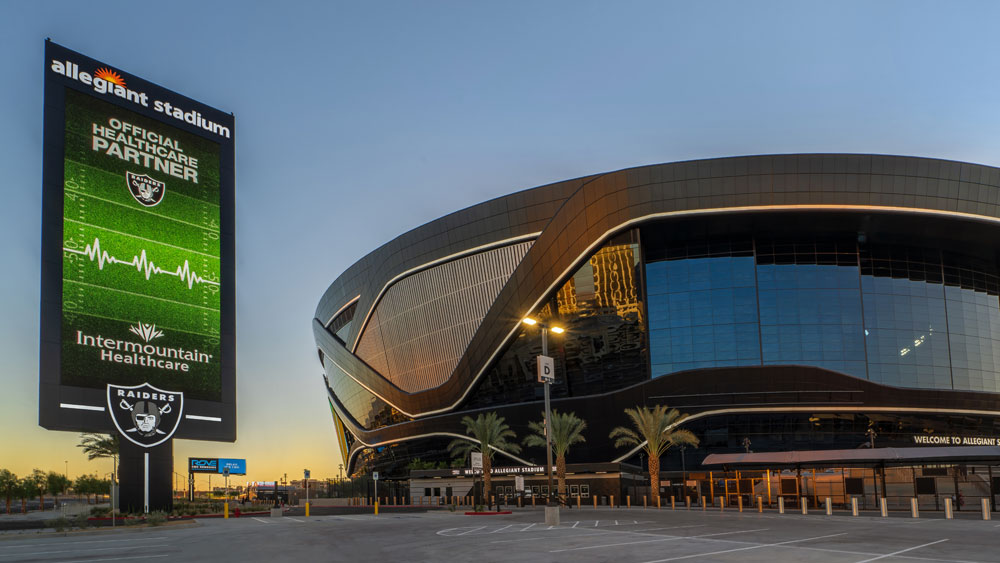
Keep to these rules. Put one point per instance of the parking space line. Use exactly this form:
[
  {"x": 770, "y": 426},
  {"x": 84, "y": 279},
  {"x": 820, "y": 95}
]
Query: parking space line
[
  {"x": 470, "y": 531},
  {"x": 501, "y": 529},
  {"x": 902, "y": 551},
  {"x": 595, "y": 523},
  {"x": 574, "y": 524},
  {"x": 744, "y": 548},
  {"x": 526, "y": 529},
  {"x": 670, "y": 528},
  {"x": 79, "y": 542},
  {"x": 34, "y": 553},
  {"x": 259, "y": 520},
  {"x": 295, "y": 519},
  {"x": 115, "y": 559}
]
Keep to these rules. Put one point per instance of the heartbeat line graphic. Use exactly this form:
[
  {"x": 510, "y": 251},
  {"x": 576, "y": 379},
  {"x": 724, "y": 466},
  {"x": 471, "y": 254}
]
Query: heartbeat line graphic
[{"x": 140, "y": 263}]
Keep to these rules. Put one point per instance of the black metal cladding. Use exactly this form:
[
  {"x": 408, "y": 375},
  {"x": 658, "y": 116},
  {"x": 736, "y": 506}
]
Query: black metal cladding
[{"x": 886, "y": 198}]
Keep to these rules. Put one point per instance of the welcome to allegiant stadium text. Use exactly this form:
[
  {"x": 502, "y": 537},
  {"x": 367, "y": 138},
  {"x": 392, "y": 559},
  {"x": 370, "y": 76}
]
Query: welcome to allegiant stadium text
[{"x": 145, "y": 148}]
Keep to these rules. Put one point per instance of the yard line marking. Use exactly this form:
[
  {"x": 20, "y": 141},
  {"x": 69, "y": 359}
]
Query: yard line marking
[
  {"x": 902, "y": 551},
  {"x": 501, "y": 529},
  {"x": 79, "y": 542},
  {"x": 78, "y": 550},
  {"x": 295, "y": 519},
  {"x": 115, "y": 559},
  {"x": 470, "y": 531},
  {"x": 259, "y": 520},
  {"x": 744, "y": 548}
]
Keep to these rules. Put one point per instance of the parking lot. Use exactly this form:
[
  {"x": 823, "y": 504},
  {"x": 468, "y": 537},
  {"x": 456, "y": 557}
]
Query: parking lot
[{"x": 621, "y": 535}]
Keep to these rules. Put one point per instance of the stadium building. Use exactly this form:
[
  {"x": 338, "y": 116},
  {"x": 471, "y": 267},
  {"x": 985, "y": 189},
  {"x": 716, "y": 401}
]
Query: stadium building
[{"x": 824, "y": 320}]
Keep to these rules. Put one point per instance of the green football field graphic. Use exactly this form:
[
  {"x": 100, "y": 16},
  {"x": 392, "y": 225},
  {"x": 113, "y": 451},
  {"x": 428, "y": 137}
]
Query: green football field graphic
[{"x": 126, "y": 265}]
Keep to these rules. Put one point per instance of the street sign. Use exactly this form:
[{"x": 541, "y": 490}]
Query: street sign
[
  {"x": 225, "y": 472},
  {"x": 375, "y": 475},
  {"x": 546, "y": 369},
  {"x": 477, "y": 460},
  {"x": 306, "y": 473},
  {"x": 519, "y": 483}
]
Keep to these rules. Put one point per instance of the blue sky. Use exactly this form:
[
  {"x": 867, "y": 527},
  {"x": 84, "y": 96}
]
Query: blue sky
[{"x": 358, "y": 121}]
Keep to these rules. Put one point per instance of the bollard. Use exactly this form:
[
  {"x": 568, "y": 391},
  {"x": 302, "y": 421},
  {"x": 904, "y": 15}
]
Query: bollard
[
  {"x": 854, "y": 506},
  {"x": 673, "y": 504},
  {"x": 986, "y": 509},
  {"x": 595, "y": 502},
  {"x": 687, "y": 501},
  {"x": 739, "y": 502},
  {"x": 760, "y": 504},
  {"x": 722, "y": 505},
  {"x": 883, "y": 507},
  {"x": 628, "y": 499},
  {"x": 644, "y": 501},
  {"x": 225, "y": 511},
  {"x": 612, "y": 503},
  {"x": 519, "y": 502},
  {"x": 829, "y": 506},
  {"x": 948, "y": 515},
  {"x": 781, "y": 505},
  {"x": 532, "y": 500},
  {"x": 805, "y": 505},
  {"x": 578, "y": 501},
  {"x": 376, "y": 507},
  {"x": 703, "y": 506},
  {"x": 914, "y": 509},
  {"x": 307, "y": 510}
]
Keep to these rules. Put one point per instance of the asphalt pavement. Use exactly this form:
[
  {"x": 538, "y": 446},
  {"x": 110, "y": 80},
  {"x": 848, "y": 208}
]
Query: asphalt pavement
[{"x": 588, "y": 535}]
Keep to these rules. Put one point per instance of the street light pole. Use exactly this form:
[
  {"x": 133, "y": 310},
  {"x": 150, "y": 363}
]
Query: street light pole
[
  {"x": 548, "y": 417},
  {"x": 551, "y": 506}
]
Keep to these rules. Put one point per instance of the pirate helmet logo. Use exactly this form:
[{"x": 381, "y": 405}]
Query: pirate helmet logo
[
  {"x": 144, "y": 189},
  {"x": 143, "y": 414}
]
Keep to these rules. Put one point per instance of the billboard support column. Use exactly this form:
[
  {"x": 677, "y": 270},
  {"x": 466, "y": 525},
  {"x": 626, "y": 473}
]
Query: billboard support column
[{"x": 146, "y": 477}]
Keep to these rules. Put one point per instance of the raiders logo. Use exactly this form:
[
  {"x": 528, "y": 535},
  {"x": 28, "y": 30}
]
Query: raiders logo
[
  {"x": 147, "y": 416},
  {"x": 144, "y": 189}
]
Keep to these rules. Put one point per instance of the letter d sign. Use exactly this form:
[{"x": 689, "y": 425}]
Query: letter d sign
[{"x": 546, "y": 369}]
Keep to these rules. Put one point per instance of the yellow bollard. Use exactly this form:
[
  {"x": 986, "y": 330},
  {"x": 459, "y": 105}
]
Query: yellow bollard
[
  {"x": 307, "y": 510},
  {"x": 595, "y": 501},
  {"x": 578, "y": 501},
  {"x": 519, "y": 502},
  {"x": 376, "y": 507},
  {"x": 739, "y": 502},
  {"x": 629, "y": 500},
  {"x": 644, "y": 501},
  {"x": 673, "y": 503},
  {"x": 533, "y": 498},
  {"x": 225, "y": 511},
  {"x": 760, "y": 504},
  {"x": 687, "y": 502},
  {"x": 703, "y": 507},
  {"x": 612, "y": 501}
]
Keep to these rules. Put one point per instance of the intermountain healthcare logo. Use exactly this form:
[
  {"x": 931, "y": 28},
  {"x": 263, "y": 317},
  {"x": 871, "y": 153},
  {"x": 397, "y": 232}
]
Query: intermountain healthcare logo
[
  {"x": 145, "y": 415},
  {"x": 143, "y": 353},
  {"x": 144, "y": 189}
]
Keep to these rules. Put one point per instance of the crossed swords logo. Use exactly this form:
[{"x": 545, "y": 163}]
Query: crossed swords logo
[{"x": 147, "y": 418}]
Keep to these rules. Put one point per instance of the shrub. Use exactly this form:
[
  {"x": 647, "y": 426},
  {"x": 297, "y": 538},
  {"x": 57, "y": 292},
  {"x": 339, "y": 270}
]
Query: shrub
[
  {"x": 60, "y": 524},
  {"x": 156, "y": 518},
  {"x": 80, "y": 521}
]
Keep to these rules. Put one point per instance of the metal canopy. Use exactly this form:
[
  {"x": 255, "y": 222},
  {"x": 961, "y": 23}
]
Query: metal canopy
[{"x": 864, "y": 456}]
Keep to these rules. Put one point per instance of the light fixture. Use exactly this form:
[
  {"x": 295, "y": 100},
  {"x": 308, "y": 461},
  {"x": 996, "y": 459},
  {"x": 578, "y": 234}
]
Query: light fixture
[
  {"x": 558, "y": 329},
  {"x": 529, "y": 321}
]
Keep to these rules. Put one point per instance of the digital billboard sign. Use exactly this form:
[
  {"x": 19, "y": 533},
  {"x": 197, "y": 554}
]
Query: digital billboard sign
[
  {"x": 217, "y": 465},
  {"x": 138, "y": 247}
]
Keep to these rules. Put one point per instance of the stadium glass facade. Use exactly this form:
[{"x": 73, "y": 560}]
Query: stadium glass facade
[{"x": 799, "y": 302}]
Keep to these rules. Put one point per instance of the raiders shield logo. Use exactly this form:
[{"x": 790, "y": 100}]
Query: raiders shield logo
[
  {"x": 147, "y": 416},
  {"x": 144, "y": 189}
]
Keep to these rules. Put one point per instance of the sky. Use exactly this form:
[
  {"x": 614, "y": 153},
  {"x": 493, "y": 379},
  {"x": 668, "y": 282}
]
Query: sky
[{"x": 357, "y": 121}]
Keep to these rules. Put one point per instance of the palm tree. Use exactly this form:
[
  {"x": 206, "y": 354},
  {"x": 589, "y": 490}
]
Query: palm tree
[
  {"x": 101, "y": 446},
  {"x": 56, "y": 483},
  {"x": 567, "y": 429},
  {"x": 655, "y": 432},
  {"x": 490, "y": 434},
  {"x": 38, "y": 482},
  {"x": 8, "y": 486},
  {"x": 23, "y": 491}
]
